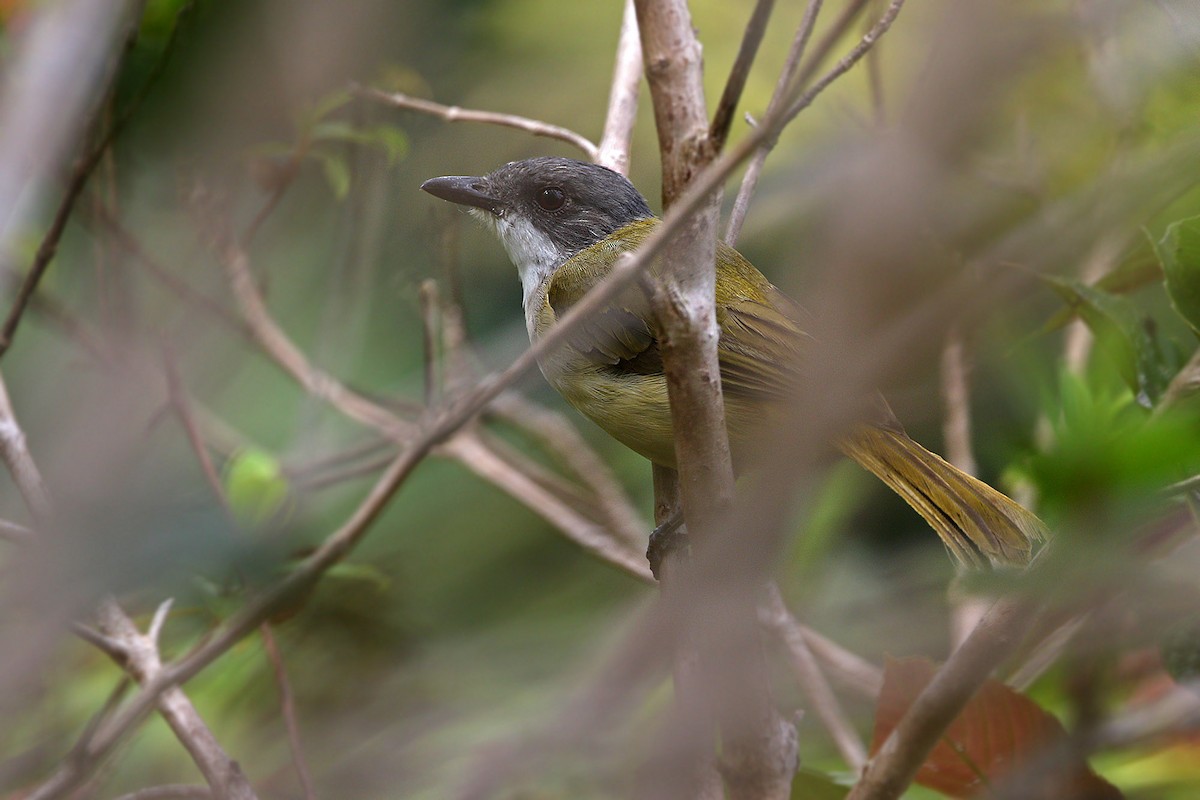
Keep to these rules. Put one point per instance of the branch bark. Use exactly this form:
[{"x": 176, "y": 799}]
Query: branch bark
[
  {"x": 616, "y": 140},
  {"x": 82, "y": 169},
  {"x": 142, "y": 661},
  {"x": 456, "y": 114},
  {"x": 995, "y": 638},
  {"x": 717, "y": 679}
]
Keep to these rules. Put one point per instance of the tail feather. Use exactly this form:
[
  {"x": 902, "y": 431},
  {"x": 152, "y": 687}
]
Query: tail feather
[{"x": 978, "y": 525}]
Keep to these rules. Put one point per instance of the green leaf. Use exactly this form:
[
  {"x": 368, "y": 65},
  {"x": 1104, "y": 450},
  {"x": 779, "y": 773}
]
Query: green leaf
[
  {"x": 324, "y": 107},
  {"x": 1179, "y": 253},
  {"x": 388, "y": 138},
  {"x": 337, "y": 173},
  {"x": 1107, "y": 451},
  {"x": 1137, "y": 268},
  {"x": 254, "y": 486},
  {"x": 1122, "y": 334},
  {"x": 336, "y": 130},
  {"x": 393, "y": 141},
  {"x": 367, "y": 575}
]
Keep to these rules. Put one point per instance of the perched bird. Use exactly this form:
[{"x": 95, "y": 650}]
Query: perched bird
[{"x": 565, "y": 223}]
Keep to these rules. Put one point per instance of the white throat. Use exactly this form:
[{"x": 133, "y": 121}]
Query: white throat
[{"x": 535, "y": 255}]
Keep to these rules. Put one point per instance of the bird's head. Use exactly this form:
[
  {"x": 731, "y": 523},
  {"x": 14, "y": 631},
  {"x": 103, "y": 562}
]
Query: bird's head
[{"x": 545, "y": 210}]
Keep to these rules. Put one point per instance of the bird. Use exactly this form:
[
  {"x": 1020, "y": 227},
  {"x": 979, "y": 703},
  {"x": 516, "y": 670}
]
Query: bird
[{"x": 564, "y": 224}]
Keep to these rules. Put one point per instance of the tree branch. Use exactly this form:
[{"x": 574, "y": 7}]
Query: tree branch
[
  {"x": 721, "y": 672},
  {"x": 812, "y": 681},
  {"x": 718, "y": 132},
  {"x": 995, "y": 638},
  {"x": 617, "y": 138},
  {"x": 141, "y": 660},
  {"x": 456, "y": 114},
  {"x": 84, "y": 166}
]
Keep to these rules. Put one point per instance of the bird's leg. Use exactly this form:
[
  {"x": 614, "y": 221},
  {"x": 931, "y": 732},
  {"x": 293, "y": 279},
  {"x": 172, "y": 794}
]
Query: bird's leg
[{"x": 667, "y": 539}]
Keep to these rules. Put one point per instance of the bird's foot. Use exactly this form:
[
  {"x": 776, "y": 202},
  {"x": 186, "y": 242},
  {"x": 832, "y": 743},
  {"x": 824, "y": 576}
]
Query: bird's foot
[{"x": 670, "y": 538}]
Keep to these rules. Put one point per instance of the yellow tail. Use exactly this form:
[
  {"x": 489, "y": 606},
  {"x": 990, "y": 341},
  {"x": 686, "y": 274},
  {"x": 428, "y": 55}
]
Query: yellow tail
[{"x": 978, "y": 524}]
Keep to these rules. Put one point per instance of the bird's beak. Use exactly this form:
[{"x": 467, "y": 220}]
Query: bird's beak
[{"x": 466, "y": 191}]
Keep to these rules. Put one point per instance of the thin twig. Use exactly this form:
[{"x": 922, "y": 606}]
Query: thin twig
[
  {"x": 428, "y": 295},
  {"x": 177, "y": 397},
  {"x": 154, "y": 629},
  {"x": 141, "y": 660},
  {"x": 105, "y": 644},
  {"x": 812, "y": 681},
  {"x": 473, "y": 454},
  {"x": 881, "y": 26},
  {"x": 790, "y": 65},
  {"x": 25, "y": 473},
  {"x": 756, "y": 28},
  {"x": 81, "y": 171},
  {"x": 874, "y": 63},
  {"x": 956, "y": 400},
  {"x": 12, "y": 532},
  {"x": 956, "y": 433},
  {"x": 849, "y": 669},
  {"x": 127, "y": 241},
  {"x": 287, "y": 355},
  {"x": 287, "y": 704},
  {"x": 617, "y": 138},
  {"x": 456, "y": 114},
  {"x": 563, "y": 440}
]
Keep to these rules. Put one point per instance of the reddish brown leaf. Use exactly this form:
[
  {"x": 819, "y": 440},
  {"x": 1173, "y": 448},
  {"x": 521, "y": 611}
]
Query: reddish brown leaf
[{"x": 998, "y": 727}]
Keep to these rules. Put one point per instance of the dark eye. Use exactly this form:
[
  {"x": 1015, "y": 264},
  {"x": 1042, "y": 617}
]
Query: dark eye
[{"x": 551, "y": 198}]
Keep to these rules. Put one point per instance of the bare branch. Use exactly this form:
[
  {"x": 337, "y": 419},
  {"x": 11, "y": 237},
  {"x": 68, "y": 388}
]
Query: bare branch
[
  {"x": 141, "y": 660},
  {"x": 12, "y": 532},
  {"x": 428, "y": 295},
  {"x": 563, "y": 440},
  {"x": 20, "y": 463},
  {"x": 127, "y": 241},
  {"x": 237, "y": 627},
  {"x": 996, "y": 637},
  {"x": 874, "y": 63},
  {"x": 599, "y": 541},
  {"x": 849, "y": 669},
  {"x": 718, "y": 132},
  {"x": 720, "y": 672},
  {"x": 286, "y": 354},
  {"x": 154, "y": 630},
  {"x": 83, "y": 168},
  {"x": 956, "y": 399},
  {"x": 105, "y": 644},
  {"x": 674, "y": 64},
  {"x": 792, "y": 77},
  {"x": 849, "y": 60},
  {"x": 617, "y": 138},
  {"x": 287, "y": 704},
  {"x": 456, "y": 114},
  {"x": 177, "y": 396},
  {"x": 956, "y": 433},
  {"x": 812, "y": 681}
]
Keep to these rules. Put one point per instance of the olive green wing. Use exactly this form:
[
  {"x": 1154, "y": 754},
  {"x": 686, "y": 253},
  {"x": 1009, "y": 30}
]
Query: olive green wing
[
  {"x": 620, "y": 335},
  {"x": 762, "y": 343}
]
